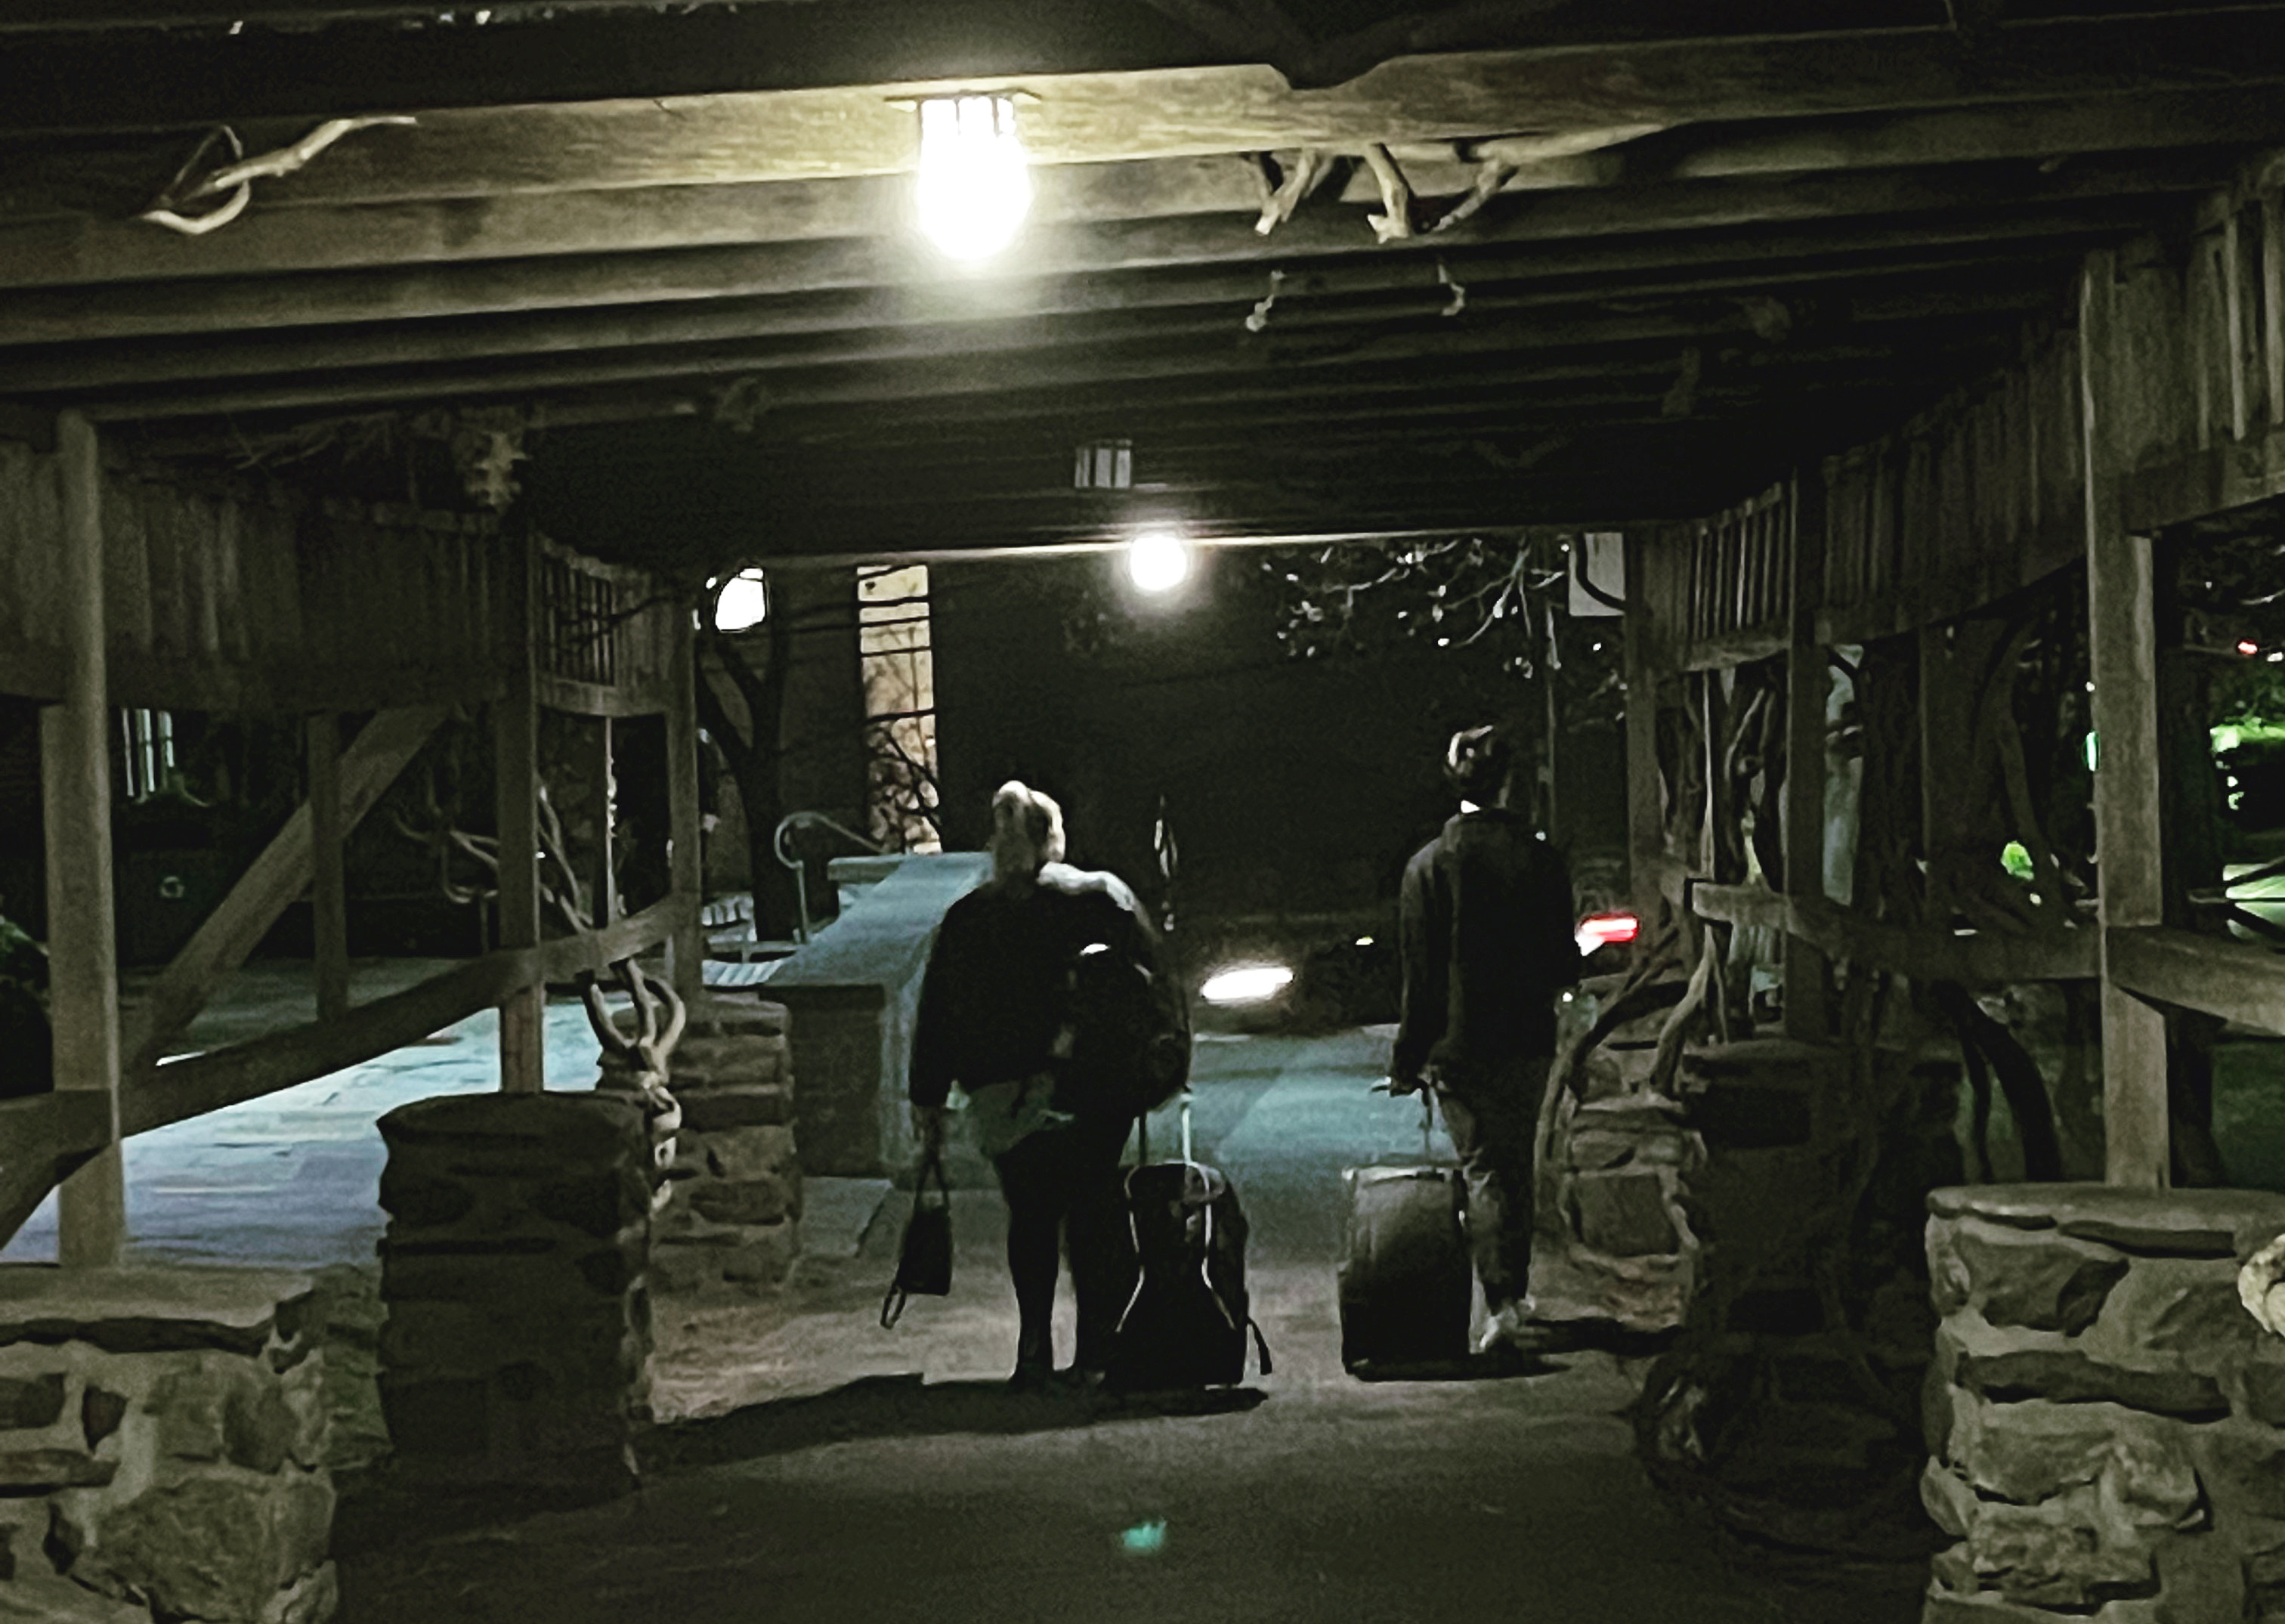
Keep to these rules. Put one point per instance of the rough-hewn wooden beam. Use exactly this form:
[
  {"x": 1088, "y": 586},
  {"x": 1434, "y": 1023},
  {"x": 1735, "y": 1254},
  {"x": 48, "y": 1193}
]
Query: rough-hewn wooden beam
[
  {"x": 1025, "y": 371},
  {"x": 2241, "y": 981},
  {"x": 2123, "y": 681},
  {"x": 156, "y": 1096},
  {"x": 1669, "y": 226},
  {"x": 75, "y": 803},
  {"x": 884, "y": 325},
  {"x": 1079, "y": 118},
  {"x": 324, "y": 224}
]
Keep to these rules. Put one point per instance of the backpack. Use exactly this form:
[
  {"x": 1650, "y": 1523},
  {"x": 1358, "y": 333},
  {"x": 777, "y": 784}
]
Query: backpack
[
  {"x": 1129, "y": 1034},
  {"x": 1186, "y": 1324}
]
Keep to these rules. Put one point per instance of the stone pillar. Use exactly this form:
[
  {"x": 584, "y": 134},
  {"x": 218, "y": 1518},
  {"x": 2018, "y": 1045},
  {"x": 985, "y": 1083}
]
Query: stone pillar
[
  {"x": 735, "y": 1214},
  {"x": 518, "y": 1338},
  {"x": 2103, "y": 1413},
  {"x": 163, "y": 1448}
]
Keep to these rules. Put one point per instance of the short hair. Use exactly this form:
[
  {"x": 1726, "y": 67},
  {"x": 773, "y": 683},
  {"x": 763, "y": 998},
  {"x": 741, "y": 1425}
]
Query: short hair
[
  {"x": 1478, "y": 762},
  {"x": 1020, "y": 810}
]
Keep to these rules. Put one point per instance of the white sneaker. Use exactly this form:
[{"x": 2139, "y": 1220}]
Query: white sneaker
[{"x": 1509, "y": 1329}]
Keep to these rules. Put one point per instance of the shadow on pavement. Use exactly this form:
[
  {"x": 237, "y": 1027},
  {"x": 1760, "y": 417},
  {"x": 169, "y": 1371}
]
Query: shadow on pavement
[{"x": 907, "y": 1406}]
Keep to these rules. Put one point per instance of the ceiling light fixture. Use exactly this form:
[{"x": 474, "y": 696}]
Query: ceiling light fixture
[{"x": 976, "y": 182}]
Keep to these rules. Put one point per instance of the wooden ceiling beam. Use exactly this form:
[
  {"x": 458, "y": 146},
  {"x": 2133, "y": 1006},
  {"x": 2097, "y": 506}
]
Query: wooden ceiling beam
[
  {"x": 741, "y": 341},
  {"x": 313, "y": 222},
  {"x": 1448, "y": 355},
  {"x": 1179, "y": 112},
  {"x": 1672, "y": 224}
]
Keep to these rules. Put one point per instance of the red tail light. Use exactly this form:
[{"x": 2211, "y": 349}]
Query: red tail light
[{"x": 1607, "y": 930}]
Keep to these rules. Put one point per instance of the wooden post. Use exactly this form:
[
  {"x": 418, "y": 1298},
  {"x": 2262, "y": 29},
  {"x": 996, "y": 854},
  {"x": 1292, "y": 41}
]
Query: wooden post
[
  {"x": 515, "y": 734},
  {"x": 603, "y": 787},
  {"x": 2121, "y": 636},
  {"x": 1808, "y": 682},
  {"x": 75, "y": 800},
  {"x": 2273, "y": 297},
  {"x": 328, "y": 888},
  {"x": 1646, "y": 811},
  {"x": 686, "y": 949}
]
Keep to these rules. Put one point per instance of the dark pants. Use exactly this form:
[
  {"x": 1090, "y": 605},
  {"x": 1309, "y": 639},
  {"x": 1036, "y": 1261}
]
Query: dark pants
[
  {"x": 1067, "y": 1178},
  {"x": 1493, "y": 1117}
]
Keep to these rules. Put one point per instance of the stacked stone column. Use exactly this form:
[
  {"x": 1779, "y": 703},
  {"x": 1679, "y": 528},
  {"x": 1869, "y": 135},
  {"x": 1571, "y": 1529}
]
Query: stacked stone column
[
  {"x": 735, "y": 1213},
  {"x": 2103, "y": 1413},
  {"x": 518, "y": 1337},
  {"x": 163, "y": 1448}
]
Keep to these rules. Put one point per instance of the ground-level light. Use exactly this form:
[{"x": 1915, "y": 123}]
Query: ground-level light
[
  {"x": 1246, "y": 984},
  {"x": 975, "y": 180},
  {"x": 1606, "y": 931}
]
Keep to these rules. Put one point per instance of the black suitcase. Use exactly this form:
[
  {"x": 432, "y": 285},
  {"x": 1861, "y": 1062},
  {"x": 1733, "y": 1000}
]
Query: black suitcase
[
  {"x": 1187, "y": 1324},
  {"x": 1407, "y": 1287}
]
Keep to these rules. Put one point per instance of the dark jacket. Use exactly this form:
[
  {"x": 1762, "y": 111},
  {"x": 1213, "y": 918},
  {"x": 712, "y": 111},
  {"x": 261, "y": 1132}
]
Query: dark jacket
[
  {"x": 996, "y": 993},
  {"x": 1486, "y": 931}
]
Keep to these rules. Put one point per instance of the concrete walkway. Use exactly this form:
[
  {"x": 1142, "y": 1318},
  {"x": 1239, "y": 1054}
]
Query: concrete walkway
[{"x": 810, "y": 1466}]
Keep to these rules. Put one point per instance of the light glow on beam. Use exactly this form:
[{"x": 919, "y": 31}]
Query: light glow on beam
[{"x": 976, "y": 182}]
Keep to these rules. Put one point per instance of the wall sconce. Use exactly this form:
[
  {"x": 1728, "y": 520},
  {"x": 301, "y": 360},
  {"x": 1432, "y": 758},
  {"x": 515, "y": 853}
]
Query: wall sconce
[
  {"x": 975, "y": 180},
  {"x": 1157, "y": 560}
]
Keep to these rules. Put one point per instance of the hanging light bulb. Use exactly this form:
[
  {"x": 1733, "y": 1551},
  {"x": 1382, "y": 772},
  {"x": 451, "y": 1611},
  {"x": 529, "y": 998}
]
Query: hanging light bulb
[{"x": 975, "y": 183}]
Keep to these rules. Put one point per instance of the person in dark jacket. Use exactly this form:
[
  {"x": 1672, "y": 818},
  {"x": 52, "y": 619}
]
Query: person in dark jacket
[
  {"x": 1486, "y": 936},
  {"x": 996, "y": 1018}
]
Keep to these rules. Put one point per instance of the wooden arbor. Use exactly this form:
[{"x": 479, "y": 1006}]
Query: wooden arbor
[{"x": 131, "y": 591}]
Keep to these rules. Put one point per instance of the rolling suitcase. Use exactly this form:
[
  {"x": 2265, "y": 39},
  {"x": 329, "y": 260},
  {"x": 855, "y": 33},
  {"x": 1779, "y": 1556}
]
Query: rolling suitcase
[
  {"x": 1187, "y": 1324},
  {"x": 1407, "y": 1287}
]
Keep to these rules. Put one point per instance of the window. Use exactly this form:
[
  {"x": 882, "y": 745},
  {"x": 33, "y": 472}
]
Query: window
[
  {"x": 147, "y": 739},
  {"x": 899, "y": 678}
]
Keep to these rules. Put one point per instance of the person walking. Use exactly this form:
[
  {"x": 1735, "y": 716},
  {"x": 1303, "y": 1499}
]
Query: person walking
[
  {"x": 1485, "y": 940},
  {"x": 996, "y": 1019}
]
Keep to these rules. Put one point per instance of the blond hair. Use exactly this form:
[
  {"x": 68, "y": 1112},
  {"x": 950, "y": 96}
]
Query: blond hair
[{"x": 1027, "y": 828}]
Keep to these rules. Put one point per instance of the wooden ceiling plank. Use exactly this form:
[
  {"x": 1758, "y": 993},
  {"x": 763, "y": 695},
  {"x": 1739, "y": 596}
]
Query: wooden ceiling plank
[{"x": 1673, "y": 213}]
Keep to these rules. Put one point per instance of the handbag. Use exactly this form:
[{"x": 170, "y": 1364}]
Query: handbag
[{"x": 924, "y": 1261}]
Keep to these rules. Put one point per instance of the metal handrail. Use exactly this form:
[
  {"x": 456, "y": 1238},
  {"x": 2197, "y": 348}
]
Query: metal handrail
[{"x": 793, "y": 820}]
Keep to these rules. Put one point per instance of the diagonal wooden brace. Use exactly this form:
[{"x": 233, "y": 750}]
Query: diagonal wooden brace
[{"x": 271, "y": 883}]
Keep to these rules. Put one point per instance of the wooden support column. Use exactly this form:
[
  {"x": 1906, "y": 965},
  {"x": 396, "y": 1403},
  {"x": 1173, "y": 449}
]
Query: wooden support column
[
  {"x": 603, "y": 787},
  {"x": 686, "y": 949},
  {"x": 328, "y": 887},
  {"x": 1808, "y": 682},
  {"x": 2123, "y": 639},
  {"x": 516, "y": 736},
  {"x": 1646, "y": 808},
  {"x": 75, "y": 800},
  {"x": 2273, "y": 302}
]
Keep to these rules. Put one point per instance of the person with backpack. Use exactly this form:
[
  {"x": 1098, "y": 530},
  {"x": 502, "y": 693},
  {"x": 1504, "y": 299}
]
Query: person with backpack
[
  {"x": 1046, "y": 1001},
  {"x": 1485, "y": 939}
]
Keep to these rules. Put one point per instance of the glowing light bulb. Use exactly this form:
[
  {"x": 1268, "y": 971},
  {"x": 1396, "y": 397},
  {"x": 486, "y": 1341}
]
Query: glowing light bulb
[
  {"x": 975, "y": 180},
  {"x": 744, "y": 601},
  {"x": 1158, "y": 561}
]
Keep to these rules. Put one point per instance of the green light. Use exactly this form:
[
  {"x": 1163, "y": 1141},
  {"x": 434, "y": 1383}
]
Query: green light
[
  {"x": 1144, "y": 1539},
  {"x": 2094, "y": 753},
  {"x": 2016, "y": 858}
]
